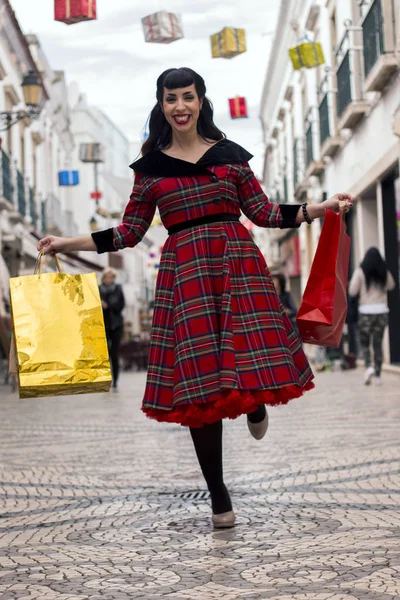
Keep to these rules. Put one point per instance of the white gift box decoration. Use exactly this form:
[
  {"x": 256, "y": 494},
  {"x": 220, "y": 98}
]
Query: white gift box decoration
[{"x": 162, "y": 27}]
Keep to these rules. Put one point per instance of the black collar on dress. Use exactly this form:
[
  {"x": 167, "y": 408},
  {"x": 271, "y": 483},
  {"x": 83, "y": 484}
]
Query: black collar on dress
[{"x": 159, "y": 164}]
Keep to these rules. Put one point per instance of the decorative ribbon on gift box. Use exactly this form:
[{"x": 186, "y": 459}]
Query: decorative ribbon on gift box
[
  {"x": 90, "y": 3},
  {"x": 149, "y": 22},
  {"x": 314, "y": 47},
  {"x": 172, "y": 19},
  {"x": 155, "y": 19},
  {"x": 237, "y": 41},
  {"x": 238, "y": 107},
  {"x": 221, "y": 35},
  {"x": 300, "y": 54}
]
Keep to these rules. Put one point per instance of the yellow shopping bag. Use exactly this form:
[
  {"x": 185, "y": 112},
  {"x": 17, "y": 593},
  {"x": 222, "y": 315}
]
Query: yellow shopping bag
[{"x": 59, "y": 334}]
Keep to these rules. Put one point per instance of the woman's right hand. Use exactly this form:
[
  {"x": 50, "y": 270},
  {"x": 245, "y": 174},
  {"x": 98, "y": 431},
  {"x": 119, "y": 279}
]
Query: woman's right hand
[{"x": 52, "y": 244}]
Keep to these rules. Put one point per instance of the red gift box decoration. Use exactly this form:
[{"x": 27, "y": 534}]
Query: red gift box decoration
[
  {"x": 74, "y": 11},
  {"x": 323, "y": 309},
  {"x": 238, "y": 107}
]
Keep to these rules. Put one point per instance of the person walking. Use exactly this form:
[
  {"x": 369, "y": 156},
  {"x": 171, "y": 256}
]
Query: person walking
[
  {"x": 371, "y": 282},
  {"x": 221, "y": 345},
  {"x": 113, "y": 303},
  {"x": 285, "y": 297}
]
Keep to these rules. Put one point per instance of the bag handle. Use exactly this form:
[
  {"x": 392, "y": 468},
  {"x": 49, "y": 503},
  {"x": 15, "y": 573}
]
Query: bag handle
[
  {"x": 38, "y": 264},
  {"x": 342, "y": 211}
]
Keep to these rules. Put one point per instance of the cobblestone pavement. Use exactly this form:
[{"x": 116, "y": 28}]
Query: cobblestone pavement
[{"x": 98, "y": 502}]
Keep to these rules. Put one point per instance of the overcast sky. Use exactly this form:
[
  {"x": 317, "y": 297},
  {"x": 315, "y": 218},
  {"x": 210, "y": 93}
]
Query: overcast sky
[{"x": 118, "y": 70}]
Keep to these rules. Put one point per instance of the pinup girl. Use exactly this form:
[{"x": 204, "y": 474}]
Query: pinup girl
[{"x": 222, "y": 344}]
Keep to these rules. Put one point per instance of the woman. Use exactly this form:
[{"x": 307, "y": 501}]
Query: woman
[
  {"x": 113, "y": 302},
  {"x": 221, "y": 345},
  {"x": 285, "y": 297},
  {"x": 371, "y": 282}
]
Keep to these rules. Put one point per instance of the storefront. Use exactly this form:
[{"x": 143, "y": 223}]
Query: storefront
[{"x": 391, "y": 225}]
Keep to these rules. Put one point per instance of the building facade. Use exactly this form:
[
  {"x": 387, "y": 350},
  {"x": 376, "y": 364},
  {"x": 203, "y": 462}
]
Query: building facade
[
  {"x": 335, "y": 128},
  {"x": 34, "y": 151},
  {"x": 113, "y": 179}
]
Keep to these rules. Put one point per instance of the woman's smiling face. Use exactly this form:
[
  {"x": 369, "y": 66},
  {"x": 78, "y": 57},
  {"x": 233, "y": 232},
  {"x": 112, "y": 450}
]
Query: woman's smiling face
[{"x": 181, "y": 108}]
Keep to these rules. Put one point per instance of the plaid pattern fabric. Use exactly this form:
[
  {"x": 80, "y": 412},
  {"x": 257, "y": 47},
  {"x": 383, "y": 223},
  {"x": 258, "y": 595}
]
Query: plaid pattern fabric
[{"x": 218, "y": 324}]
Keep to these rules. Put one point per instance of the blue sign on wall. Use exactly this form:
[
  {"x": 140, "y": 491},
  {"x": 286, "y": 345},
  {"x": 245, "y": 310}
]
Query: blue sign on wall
[{"x": 68, "y": 177}]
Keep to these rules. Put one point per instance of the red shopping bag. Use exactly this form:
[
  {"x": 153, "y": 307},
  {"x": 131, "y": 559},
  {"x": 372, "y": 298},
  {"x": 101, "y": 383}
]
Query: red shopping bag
[{"x": 323, "y": 308}]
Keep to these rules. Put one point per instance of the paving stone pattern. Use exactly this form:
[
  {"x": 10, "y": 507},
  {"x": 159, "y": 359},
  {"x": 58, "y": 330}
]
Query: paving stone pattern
[{"x": 100, "y": 503}]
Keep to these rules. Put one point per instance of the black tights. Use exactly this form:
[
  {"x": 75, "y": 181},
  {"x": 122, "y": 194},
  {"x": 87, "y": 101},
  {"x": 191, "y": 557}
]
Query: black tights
[{"x": 207, "y": 442}]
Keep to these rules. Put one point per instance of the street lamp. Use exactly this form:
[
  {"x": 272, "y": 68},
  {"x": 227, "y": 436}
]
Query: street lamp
[{"x": 32, "y": 90}]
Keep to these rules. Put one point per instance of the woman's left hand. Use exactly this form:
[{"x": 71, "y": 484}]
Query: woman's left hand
[{"x": 339, "y": 202}]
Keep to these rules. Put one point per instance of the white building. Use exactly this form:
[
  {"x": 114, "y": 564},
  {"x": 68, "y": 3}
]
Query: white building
[
  {"x": 19, "y": 207},
  {"x": 114, "y": 180},
  {"x": 335, "y": 127},
  {"x": 33, "y": 152}
]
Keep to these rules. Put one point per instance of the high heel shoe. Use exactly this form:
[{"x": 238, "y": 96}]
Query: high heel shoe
[{"x": 224, "y": 520}]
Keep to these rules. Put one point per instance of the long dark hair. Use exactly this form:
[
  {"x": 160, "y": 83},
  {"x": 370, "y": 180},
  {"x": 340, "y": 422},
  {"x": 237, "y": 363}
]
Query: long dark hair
[
  {"x": 160, "y": 132},
  {"x": 374, "y": 268}
]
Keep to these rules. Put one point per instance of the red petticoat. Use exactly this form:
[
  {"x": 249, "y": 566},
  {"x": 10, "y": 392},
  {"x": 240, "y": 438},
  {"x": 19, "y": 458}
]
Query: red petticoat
[{"x": 231, "y": 404}]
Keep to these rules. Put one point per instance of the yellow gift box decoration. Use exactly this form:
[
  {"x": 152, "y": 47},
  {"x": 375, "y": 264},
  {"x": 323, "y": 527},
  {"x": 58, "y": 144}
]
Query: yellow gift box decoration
[
  {"x": 59, "y": 334},
  {"x": 227, "y": 43},
  {"x": 306, "y": 54}
]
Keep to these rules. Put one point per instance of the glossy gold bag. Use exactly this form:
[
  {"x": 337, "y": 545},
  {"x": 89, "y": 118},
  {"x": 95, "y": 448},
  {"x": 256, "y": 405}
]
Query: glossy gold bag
[{"x": 59, "y": 334}]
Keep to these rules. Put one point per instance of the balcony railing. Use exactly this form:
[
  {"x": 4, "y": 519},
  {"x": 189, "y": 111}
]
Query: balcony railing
[
  {"x": 296, "y": 165},
  {"x": 299, "y": 183},
  {"x": 314, "y": 165},
  {"x": 373, "y": 36},
  {"x": 329, "y": 139},
  {"x": 344, "y": 85},
  {"x": 350, "y": 103},
  {"x": 21, "y": 194},
  {"x": 32, "y": 207},
  {"x": 309, "y": 145},
  {"x": 8, "y": 188},
  {"x": 324, "y": 127}
]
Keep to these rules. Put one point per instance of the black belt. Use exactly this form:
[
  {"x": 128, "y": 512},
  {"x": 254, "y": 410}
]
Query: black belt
[{"x": 202, "y": 221}]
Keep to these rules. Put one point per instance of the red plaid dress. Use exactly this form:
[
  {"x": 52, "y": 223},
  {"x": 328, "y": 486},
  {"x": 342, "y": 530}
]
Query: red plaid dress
[{"x": 221, "y": 343}]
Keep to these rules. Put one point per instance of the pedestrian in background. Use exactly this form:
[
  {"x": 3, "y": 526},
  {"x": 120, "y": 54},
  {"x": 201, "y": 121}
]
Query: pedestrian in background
[
  {"x": 113, "y": 302},
  {"x": 221, "y": 345},
  {"x": 285, "y": 297},
  {"x": 371, "y": 282}
]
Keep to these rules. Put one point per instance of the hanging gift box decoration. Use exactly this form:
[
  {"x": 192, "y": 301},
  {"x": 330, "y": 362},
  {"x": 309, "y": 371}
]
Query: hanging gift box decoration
[
  {"x": 74, "y": 11},
  {"x": 306, "y": 53},
  {"x": 91, "y": 153},
  {"x": 238, "y": 107},
  {"x": 162, "y": 27},
  {"x": 67, "y": 178},
  {"x": 229, "y": 42}
]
